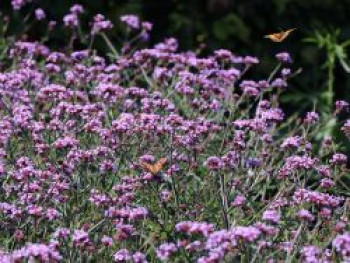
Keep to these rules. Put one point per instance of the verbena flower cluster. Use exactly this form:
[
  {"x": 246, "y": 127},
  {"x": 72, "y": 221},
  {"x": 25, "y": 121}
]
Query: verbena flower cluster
[{"x": 243, "y": 182}]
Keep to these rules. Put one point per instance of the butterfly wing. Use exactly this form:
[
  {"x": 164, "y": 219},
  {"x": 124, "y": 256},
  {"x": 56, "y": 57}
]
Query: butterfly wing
[
  {"x": 159, "y": 165},
  {"x": 286, "y": 33},
  {"x": 149, "y": 167},
  {"x": 279, "y": 37},
  {"x": 291, "y": 30},
  {"x": 276, "y": 37},
  {"x": 154, "y": 168}
]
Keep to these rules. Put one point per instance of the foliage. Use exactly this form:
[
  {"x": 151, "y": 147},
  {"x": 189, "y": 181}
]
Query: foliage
[{"x": 334, "y": 52}]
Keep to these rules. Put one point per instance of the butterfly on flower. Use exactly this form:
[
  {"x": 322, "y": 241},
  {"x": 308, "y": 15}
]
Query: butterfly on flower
[
  {"x": 280, "y": 36},
  {"x": 154, "y": 168}
]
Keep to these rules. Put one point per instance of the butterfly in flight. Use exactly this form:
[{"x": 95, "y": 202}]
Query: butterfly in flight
[
  {"x": 154, "y": 168},
  {"x": 280, "y": 36}
]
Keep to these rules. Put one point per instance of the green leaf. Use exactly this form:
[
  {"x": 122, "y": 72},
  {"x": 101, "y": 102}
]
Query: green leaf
[
  {"x": 345, "y": 66},
  {"x": 341, "y": 55}
]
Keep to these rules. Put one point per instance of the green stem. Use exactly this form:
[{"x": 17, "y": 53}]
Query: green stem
[
  {"x": 223, "y": 198},
  {"x": 171, "y": 172},
  {"x": 290, "y": 253},
  {"x": 110, "y": 45},
  {"x": 274, "y": 72},
  {"x": 330, "y": 84}
]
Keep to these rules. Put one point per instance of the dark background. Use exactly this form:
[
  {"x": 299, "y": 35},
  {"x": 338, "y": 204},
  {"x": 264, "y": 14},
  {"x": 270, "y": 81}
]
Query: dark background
[{"x": 237, "y": 25}]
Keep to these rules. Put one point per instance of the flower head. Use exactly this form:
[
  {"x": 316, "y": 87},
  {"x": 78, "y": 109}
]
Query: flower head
[
  {"x": 132, "y": 21},
  {"x": 39, "y": 14},
  {"x": 284, "y": 57}
]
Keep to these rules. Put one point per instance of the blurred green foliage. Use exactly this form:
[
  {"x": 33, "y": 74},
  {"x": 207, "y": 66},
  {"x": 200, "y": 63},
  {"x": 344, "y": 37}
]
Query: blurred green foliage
[{"x": 238, "y": 25}]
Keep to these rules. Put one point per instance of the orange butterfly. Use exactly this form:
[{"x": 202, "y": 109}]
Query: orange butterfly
[
  {"x": 279, "y": 37},
  {"x": 154, "y": 168}
]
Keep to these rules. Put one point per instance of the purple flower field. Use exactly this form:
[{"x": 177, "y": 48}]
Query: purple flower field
[{"x": 241, "y": 181}]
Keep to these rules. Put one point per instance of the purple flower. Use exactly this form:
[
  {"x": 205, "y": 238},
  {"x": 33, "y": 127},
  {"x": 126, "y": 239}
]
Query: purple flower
[
  {"x": 346, "y": 128},
  {"x": 223, "y": 54},
  {"x": 52, "y": 92},
  {"x": 107, "y": 241},
  {"x": 263, "y": 84},
  {"x": 35, "y": 210},
  {"x": 248, "y": 84},
  {"x": 311, "y": 254},
  {"x": 79, "y": 55},
  {"x": 339, "y": 159},
  {"x": 327, "y": 141},
  {"x": 248, "y": 60},
  {"x": 327, "y": 183},
  {"x": 165, "y": 250},
  {"x": 286, "y": 72},
  {"x": 122, "y": 255},
  {"x": 311, "y": 117},
  {"x": 284, "y": 57},
  {"x": 192, "y": 227},
  {"x": 341, "y": 105},
  {"x": 18, "y": 4},
  {"x": 304, "y": 214},
  {"x": 238, "y": 201},
  {"x": 144, "y": 36},
  {"x": 321, "y": 199},
  {"x": 22, "y": 116},
  {"x": 52, "y": 214},
  {"x": 253, "y": 162},
  {"x": 39, "y": 14},
  {"x": 248, "y": 234},
  {"x": 109, "y": 92},
  {"x": 40, "y": 252},
  {"x": 214, "y": 163},
  {"x": 61, "y": 233},
  {"x": 324, "y": 170},
  {"x": 100, "y": 24},
  {"x": 70, "y": 20},
  {"x": 124, "y": 231},
  {"x": 296, "y": 162},
  {"x": 230, "y": 159},
  {"x": 341, "y": 243},
  {"x": 267, "y": 138},
  {"x": 77, "y": 9},
  {"x": 251, "y": 92},
  {"x": 80, "y": 238},
  {"x": 271, "y": 215},
  {"x": 131, "y": 21},
  {"x": 184, "y": 89},
  {"x": 65, "y": 142},
  {"x": 325, "y": 212},
  {"x": 136, "y": 213},
  {"x": 279, "y": 83},
  {"x": 267, "y": 230},
  {"x": 148, "y": 158},
  {"x": 139, "y": 257},
  {"x": 169, "y": 45},
  {"x": 292, "y": 142},
  {"x": 147, "y": 26},
  {"x": 340, "y": 226}
]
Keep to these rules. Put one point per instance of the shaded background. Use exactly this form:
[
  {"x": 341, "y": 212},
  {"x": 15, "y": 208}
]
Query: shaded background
[{"x": 237, "y": 25}]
